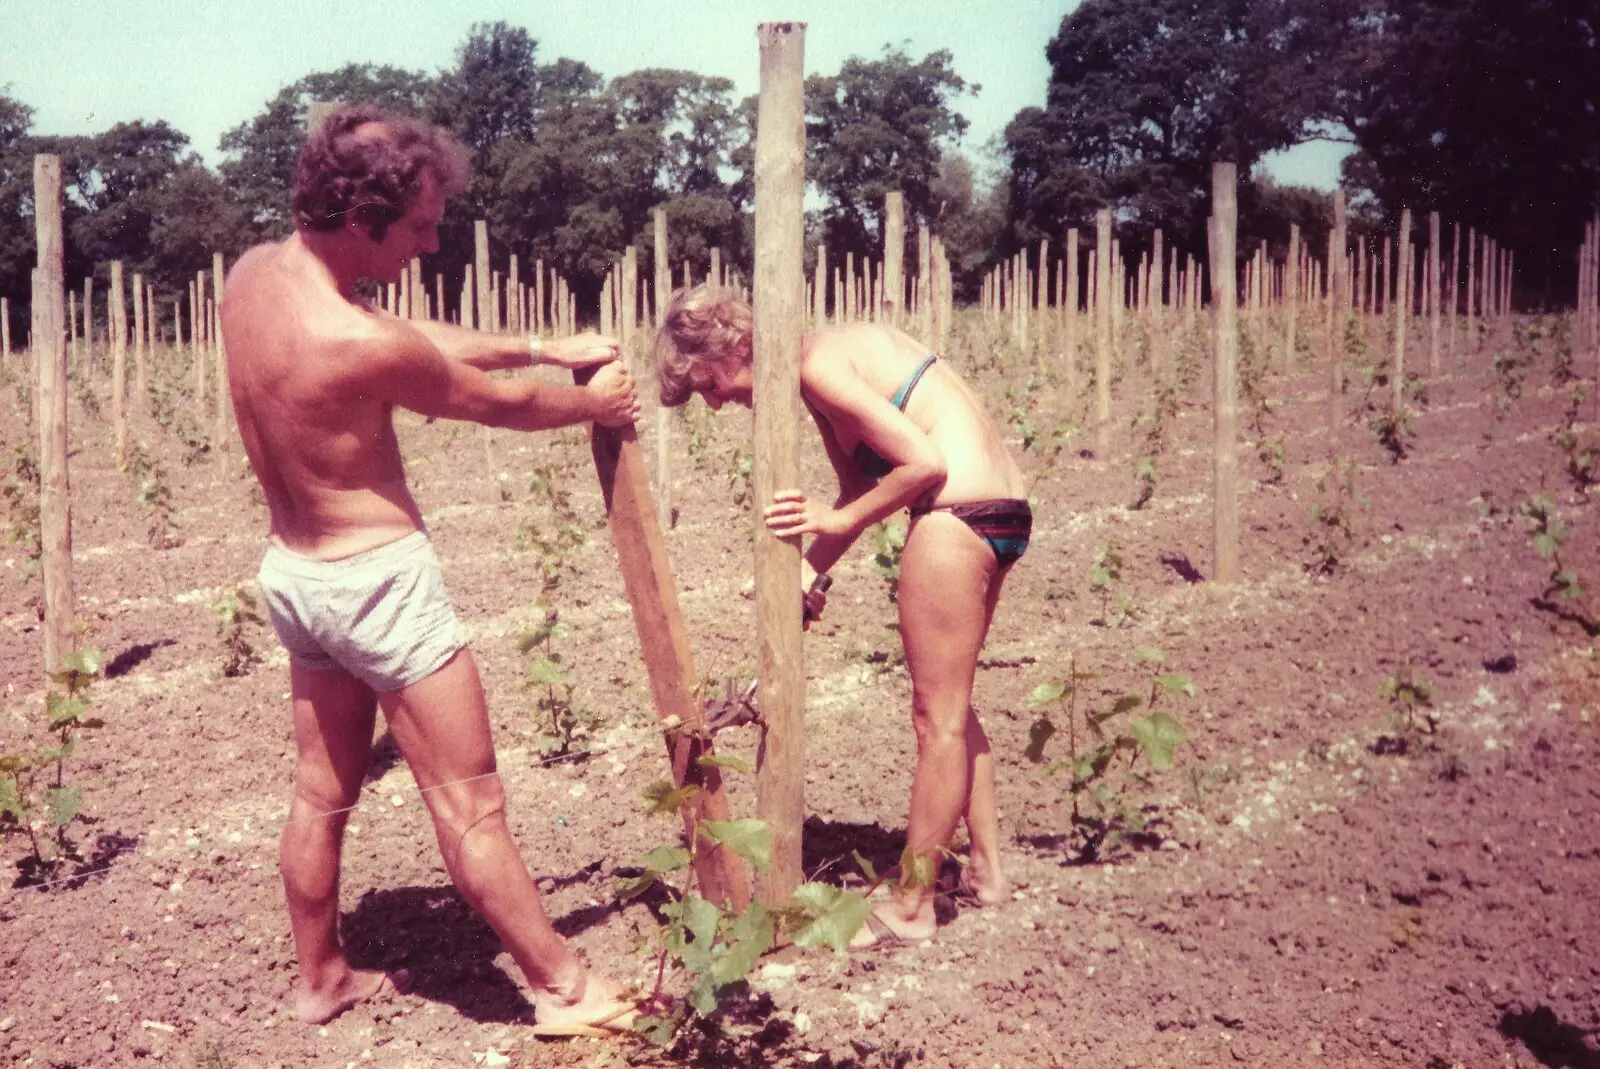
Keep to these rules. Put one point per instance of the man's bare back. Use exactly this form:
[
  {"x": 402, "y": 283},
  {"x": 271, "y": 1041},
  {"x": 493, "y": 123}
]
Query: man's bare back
[
  {"x": 324, "y": 450},
  {"x": 315, "y": 376}
]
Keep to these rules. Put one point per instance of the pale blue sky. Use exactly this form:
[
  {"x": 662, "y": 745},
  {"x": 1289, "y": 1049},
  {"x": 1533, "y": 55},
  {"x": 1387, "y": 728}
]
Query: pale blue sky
[{"x": 208, "y": 65}]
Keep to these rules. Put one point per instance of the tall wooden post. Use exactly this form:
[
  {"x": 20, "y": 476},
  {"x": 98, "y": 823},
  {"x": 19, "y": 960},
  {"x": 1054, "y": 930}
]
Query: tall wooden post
[
  {"x": 1434, "y": 294},
  {"x": 892, "y": 284},
  {"x": 224, "y": 403},
  {"x": 1453, "y": 292},
  {"x": 55, "y": 490},
  {"x": 141, "y": 381},
  {"x": 317, "y": 112},
  {"x": 1102, "y": 334},
  {"x": 663, "y": 414},
  {"x": 1402, "y": 307},
  {"x": 819, "y": 288},
  {"x": 779, "y": 321},
  {"x": 479, "y": 317},
  {"x": 630, "y": 294},
  {"x": 1224, "y": 294},
  {"x": 5, "y": 330},
  {"x": 925, "y": 287},
  {"x": 117, "y": 315},
  {"x": 647, "y": 578},
  {"x": 1291, "y": 296},
  {"x": 1338, "y": 309},
  {"x": 1069, "y": 310}
]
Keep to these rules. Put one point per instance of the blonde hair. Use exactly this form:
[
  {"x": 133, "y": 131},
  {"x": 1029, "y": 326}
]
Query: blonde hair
[{"x": 704, "y": 325}]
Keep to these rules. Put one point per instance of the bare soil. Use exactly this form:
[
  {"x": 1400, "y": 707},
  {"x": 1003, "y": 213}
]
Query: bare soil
[{"x": 1317, "y": 885}]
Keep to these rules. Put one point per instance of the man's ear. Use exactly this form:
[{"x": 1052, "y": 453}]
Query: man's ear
[{"x": 356, "y": 228}]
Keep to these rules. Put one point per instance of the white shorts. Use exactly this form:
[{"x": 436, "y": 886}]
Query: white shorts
[{"x": 382, "y": 615}]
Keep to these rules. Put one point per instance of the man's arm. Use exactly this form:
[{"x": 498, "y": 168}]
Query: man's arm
[
  {"x": 396, "y": 363},
  {"x": 496, "y": 352}
]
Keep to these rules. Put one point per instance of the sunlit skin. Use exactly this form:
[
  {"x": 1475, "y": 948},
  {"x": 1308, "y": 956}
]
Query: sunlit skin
[
  {"x": 944, "y": 451},
  {"x": 315, "y": 375}
]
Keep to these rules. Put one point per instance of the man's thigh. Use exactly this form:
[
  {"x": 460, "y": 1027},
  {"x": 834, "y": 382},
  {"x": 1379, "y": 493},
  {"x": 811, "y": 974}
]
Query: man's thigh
[
  {"x": 334, "y": 715},
  {"x": 441, "y": 724}
]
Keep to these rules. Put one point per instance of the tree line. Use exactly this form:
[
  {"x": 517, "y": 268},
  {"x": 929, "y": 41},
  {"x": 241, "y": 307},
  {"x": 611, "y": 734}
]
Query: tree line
[{"x": 1483, "y": 110}]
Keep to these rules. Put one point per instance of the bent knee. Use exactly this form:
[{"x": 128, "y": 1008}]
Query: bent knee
[{"x": 458, "y": 809}]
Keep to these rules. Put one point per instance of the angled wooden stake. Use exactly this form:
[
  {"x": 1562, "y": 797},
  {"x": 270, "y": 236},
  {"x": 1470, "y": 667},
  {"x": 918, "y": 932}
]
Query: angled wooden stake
[{"x": 647, "y": 577}]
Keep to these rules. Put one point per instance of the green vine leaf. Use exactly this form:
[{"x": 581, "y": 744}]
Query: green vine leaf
[
  {"x": 1045, "y": 693},
  {"x": 750, "y": 839},
  {"x": 1176, "y": 684},
  {"x": 662, "y": 797},
  {"x": 64, "y": 803},
  {"x": 1158, "y": 736},
  {"x": 836, "y": 916},
  {"x": 665, "y": 859},
  {"x": 749, "y": 937}
]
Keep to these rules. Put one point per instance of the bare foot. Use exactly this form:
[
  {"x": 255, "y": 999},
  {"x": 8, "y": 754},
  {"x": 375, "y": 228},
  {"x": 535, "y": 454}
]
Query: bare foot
[
  {"x": 358, "y": 985},
  {"x": 887, "y": 927},
  {"x": 990, "y": 891},
  {"x": 586, "y": 1006}
]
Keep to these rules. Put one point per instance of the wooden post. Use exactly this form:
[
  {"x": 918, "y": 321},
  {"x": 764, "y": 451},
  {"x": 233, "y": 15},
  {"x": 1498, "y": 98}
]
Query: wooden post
[
  {"x": 1402, "y": 306},
  {"x": 478, "y": 316},
  {"x": 5, "y": 330},
  {"x": 1102, "y": 334},
  {"x": 663, "y": 414},
  {"x": 1453, "y": 292},
  {"x": 317, "y": 112},
  {"x": 1224, "y": 293},
  {"x": 653, "y": 594},
  {"x": 224, "y": 403},
  {"x": 925, "y": 287},
  {"x": 1069, "y": 309},
  {"x": 55, "y": 491},
  {"x": 779, "y": 322},
  {"x": 819, "y": 288},
  {"x": 117, "y": 314},
  {"x": 630, "y": 294},
  {"x": 1338, "y": 309},
  {"x": 1291, "y": 282},
  {"x": 141, "y": 381},
  {"x": 892, "y": 285},
  {"x": 1433, "y": 291}
]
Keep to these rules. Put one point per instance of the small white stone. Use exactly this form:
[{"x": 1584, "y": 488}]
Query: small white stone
[
  {"x": 396, "y": 801},
  {"x": 578, "y": 790}
]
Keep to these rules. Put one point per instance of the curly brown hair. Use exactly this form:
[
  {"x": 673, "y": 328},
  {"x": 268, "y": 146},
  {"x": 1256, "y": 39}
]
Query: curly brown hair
[
  {"x": 369, "y": 162},
  {"x": 703, "y": 326}
]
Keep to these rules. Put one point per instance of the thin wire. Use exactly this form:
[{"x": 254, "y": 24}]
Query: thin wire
[{"x": 15, "y": 891}]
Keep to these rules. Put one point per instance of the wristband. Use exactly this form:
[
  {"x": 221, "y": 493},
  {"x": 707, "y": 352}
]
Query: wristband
[{"x": 535, "y": 348}]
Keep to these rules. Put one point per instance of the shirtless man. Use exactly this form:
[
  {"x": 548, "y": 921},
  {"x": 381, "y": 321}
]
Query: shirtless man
[{"x": 350, "y": 580}]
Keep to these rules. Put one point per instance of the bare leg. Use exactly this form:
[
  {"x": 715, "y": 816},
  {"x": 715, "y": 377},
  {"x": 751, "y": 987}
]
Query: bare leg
[
  {"x": 333, "y": 719},
  {"x": 985, "y": 877},
  {"x": 442, "y": 728},
  {"x": 946, "y": 573}
]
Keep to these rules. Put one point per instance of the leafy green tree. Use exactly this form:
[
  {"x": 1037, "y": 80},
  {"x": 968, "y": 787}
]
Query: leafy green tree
[
  {"x": 1144, "y": 96},
  {"x": 16, "y": 210},
  {"x": 1481, "y": 109},
  {"x": 878, "y": 126}
]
